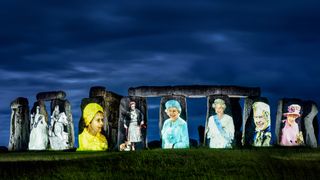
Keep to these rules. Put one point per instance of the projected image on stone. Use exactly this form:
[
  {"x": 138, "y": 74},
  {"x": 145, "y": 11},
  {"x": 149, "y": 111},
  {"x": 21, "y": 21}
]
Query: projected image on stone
[
  {"x": 133, "y": 124},
  {"x": 58, "y": 130},
  {"x": 174, "y": 132},
  {"x": 262, "y": 121},
  {"x": 291, "y": 133},
  {"x": 220, "y": 126},
  {"x": 39, "y": 130},
  {"x": 92, "y": 138}
]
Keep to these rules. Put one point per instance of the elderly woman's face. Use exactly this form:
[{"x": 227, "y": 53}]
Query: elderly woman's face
[
  {"x": 96, "y": 124},
  {"x": 173, "y": 113},
  {"x": 260, "y": 121},
  {"x": 219, "y": 109}
]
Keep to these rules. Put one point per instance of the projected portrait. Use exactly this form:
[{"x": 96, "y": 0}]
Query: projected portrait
[
  {"x": 134, "y": 125},
  {"x": 291, "y": 135},
  {"x": 220, "y": 127},
  {"x": 39, "y": 131},
  {"x": 261, "y": 116},
  {"x": 91, "y": 137},
  {"x": 174, "y": 133},
  {"x": 58, "y": 130}
]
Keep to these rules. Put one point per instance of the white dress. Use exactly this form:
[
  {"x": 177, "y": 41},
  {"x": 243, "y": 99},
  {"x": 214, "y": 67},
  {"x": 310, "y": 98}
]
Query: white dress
[
  {"x": 134, "y": 131},
  {"x": 217, "y": 140},
  {"x": 39, "y": 134}
]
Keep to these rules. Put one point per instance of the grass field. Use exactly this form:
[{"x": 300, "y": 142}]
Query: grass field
[{"x": 200, "y": 163}]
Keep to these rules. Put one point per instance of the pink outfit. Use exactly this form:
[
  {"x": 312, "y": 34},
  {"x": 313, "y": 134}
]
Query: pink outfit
[{"x": 289, "y": 134}]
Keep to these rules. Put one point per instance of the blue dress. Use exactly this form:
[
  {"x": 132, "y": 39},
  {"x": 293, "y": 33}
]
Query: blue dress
[{"x": 175, "y": 134}]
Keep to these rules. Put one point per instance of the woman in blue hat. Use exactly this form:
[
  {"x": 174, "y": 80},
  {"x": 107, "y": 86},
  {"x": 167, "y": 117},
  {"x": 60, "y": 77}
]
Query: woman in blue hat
[{"x": 174, "y": 132}]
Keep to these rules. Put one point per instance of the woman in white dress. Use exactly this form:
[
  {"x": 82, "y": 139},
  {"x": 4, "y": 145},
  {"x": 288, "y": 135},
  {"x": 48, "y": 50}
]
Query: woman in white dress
[{"x": 220, "y": 128}]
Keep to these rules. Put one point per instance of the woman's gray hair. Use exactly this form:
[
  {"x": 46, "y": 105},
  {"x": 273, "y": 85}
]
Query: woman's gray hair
[{"x": 219, "y": 101}]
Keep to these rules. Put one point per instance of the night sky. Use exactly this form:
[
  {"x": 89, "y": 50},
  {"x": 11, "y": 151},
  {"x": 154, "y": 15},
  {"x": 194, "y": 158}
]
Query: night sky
[{"x": 48, "y": 46}]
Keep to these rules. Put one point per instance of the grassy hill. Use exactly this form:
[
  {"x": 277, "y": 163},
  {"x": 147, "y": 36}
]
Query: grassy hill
[{"x": 270, "y": 163}]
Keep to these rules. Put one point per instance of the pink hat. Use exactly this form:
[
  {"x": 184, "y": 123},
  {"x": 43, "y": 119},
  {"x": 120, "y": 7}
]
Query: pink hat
[{"x": 293, "y": 109}]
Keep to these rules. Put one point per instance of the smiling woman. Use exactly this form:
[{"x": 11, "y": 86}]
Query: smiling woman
[{"x": 174, "y": 133}]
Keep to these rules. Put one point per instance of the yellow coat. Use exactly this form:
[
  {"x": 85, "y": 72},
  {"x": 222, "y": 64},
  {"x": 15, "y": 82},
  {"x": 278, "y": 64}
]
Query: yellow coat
[{"x": 88, "y": 142}]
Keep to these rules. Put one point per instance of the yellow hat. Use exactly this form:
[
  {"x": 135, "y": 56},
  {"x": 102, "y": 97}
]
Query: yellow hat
[{"x": 90, "y": 111}]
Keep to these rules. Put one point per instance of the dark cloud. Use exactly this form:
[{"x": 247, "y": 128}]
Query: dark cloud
[{"x": 75, "y": 45}]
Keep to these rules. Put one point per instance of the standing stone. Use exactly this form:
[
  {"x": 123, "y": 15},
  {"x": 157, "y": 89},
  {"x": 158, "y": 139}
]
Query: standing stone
[
  {"x": 174, "y": 134},
  {"x": 246, "y": 113},
  {"x": 39, "y": 139},
  {"x": 111, "y": 103},
  {"x": 290, "y": 132},
  {"x": 132, "y": 124},
  {"x": 97, "y": 91},
  {"x": 219, "y": 133},
  {"x": 257, "y": 129},
  {"x": 309, "y": 117},
  {"x": 163, "y": 115},
  {"x": 112, "y": 109},
  {"x": 237, "y": 118},
  {"x": 19, "y": 126},
  {"x": 84, "y": 103},
  {"x": 61, "y": 128}
]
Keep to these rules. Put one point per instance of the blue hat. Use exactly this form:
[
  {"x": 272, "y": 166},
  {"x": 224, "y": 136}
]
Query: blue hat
[{"x": 173, "y": 103}]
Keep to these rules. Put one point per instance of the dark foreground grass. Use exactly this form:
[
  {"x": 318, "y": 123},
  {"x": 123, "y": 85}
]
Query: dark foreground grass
[{"x": 270, "y": 163}]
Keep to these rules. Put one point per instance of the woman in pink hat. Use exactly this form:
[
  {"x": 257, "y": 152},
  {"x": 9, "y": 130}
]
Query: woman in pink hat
[{"x": 291, "y": 136}]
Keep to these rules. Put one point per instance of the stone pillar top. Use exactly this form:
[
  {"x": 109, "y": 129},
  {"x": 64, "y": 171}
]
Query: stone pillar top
[
  {"x": 97, "y": 91},
  {"x": 194, "y": 91},
  {"x": 20, "y": 101},
  {"x": 50, "y": 95}
]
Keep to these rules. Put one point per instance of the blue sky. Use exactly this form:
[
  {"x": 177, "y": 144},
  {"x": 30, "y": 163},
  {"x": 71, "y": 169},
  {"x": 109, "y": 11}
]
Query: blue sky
[{"x": 71, "y": 46}]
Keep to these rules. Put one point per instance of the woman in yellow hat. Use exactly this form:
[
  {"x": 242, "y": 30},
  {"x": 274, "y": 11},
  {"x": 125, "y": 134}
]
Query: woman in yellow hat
[{"x": 91, "y": 137}]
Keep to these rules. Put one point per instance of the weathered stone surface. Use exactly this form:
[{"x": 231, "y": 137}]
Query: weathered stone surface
[
  {"x": 309, "y": 117},
  {"x": 229, "y": 128},
  {"x": 38, "y": 127},
  {"x": 193, "y": 91},
  {"x": 47, "y": 96},
  {"x": 278, "y": 122},
  {"x": 257, "y": 135},
  {"x": 19, "y": 125},
  {"x": 97, "y": 91},
  {"x": 201, "y": 135},
  {"x": 110, "y": 102},
  {"x": 237, "y": 119},
  {"x": 61, "y": 128},
  {"x": 132, "y": 122}
]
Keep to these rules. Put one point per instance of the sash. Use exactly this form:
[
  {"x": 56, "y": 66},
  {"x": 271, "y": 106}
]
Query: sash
[{"x": 221, "y": 130}]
